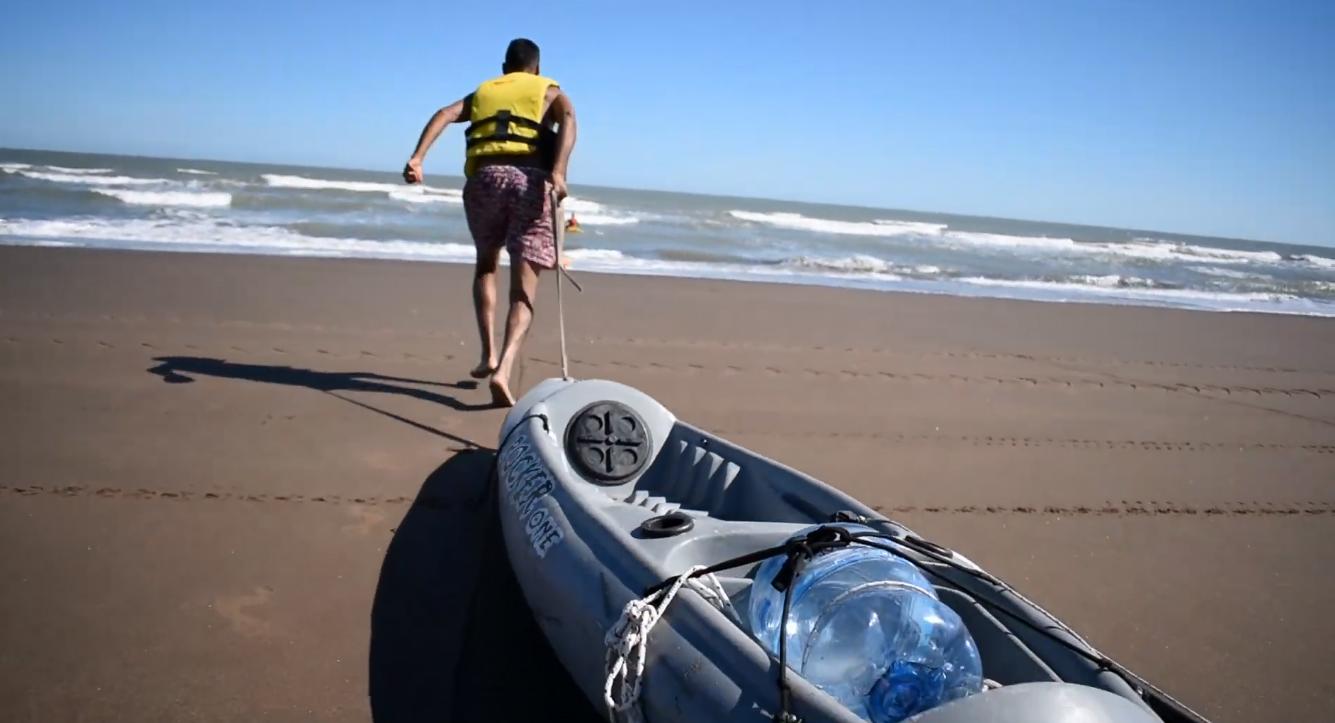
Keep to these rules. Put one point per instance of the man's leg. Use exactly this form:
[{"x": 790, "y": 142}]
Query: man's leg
[
  {"x": 523, "y": 290},
  {"x": 484, "y": 306}
]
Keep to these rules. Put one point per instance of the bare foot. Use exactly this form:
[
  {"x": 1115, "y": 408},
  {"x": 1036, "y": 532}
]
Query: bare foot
[
  {"x": 483, "y": 370},
  {"x": 500, "y": 393}
]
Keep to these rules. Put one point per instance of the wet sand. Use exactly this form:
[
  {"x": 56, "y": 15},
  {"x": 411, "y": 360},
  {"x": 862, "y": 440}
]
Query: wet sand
[{"x": 255, "y": 488}]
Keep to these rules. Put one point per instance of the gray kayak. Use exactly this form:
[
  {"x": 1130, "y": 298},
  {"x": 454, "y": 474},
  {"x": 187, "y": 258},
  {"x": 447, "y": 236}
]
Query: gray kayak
[{"x": 604, "y": 495}]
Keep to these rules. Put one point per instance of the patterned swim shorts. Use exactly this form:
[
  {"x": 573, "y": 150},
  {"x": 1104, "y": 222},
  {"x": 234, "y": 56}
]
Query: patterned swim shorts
[{"x": 510, "y": 206}]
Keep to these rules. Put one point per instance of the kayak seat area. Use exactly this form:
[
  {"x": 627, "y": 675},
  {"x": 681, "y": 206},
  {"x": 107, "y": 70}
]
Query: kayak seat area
[
  {"x": 704, "y": 475},
  {"x": 688, "y": 476}
]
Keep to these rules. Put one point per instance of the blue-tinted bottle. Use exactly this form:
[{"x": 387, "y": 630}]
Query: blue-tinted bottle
[{"x": 866, "y": 627}]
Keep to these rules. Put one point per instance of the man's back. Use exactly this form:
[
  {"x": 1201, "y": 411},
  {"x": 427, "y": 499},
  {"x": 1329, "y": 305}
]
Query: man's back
[
  {"x": 509, "y": 122},
  {"x": 516, "y": 171}
]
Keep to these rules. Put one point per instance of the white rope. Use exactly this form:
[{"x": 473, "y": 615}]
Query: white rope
[
  {"x": 559, "y": 229},
  {"x": 628, "y": 639}
]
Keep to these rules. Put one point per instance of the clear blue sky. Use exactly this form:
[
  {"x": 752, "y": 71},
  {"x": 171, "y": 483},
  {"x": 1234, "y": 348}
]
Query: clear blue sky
[{"x": 1204, "y": 117}]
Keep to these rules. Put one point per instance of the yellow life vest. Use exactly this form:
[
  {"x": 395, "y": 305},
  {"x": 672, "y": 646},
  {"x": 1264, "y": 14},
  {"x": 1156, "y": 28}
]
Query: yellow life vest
[{"x": 506, "y": 114}]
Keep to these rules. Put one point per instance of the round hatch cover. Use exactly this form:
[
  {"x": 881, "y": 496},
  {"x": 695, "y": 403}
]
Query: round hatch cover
[{"x": 608, "y": 442}]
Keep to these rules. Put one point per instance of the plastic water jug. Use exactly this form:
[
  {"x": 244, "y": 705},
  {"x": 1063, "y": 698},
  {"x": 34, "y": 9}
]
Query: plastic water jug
[{"x": 866, "y": 627}]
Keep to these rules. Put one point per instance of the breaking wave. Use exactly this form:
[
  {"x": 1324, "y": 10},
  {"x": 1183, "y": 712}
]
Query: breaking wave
[
  {"x": 1131, "y": 288},
  {"x": 63, "y": 169},
  {"x": 581, "y": 205},
  {"x": 1321, "y": 262},
  {"x": 190, "y": 230},
  {"x": 90, "y": 179},
  {"x": 427, "y": 194},
  {"x": 1146, "y": 249},
  {"x": 318, "y": 184},
  {"x": 397, "y": 191},
  {"x": 215, "y": 199},
  {"x": 596, "y": 219},
  {"x": 798, "y": 222},
  {"x": 859, "y": 264},
  {"x": 231, "y": 208}
]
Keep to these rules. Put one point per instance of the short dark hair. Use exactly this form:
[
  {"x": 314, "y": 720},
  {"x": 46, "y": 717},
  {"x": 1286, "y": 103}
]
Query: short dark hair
[{"x": 521, "y": 54}]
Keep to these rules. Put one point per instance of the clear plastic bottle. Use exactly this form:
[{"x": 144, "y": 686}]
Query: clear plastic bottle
[{"x": 866, "y": 627}]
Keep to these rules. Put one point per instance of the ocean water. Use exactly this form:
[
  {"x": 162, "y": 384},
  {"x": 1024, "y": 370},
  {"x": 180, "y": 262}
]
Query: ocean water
[{"x": 101, "y": 201}]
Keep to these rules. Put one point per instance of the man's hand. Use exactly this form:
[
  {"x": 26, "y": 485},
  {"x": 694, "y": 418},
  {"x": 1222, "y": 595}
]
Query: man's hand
[
  {"x": 456, "y": 111},
  {"x": 412, "y": 171},
  {"x": 559, "y": 185}
]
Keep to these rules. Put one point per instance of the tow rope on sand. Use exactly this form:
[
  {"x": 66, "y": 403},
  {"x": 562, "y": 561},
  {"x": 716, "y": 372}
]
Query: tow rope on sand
[{"x": 558, "y": 230}]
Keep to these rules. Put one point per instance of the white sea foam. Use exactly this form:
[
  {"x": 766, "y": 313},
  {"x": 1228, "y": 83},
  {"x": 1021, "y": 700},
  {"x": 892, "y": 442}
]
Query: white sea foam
[
  {"x": 878, "y": 227},
  {"x": 1148, "y": 250},
  {"x": 891, "y": 227},
  {"x": 193, "y": 231},
  {"x": 16, "y": 167},
  {"x": 1117, "y": 287},
  {"x": 1104, "y": 290},
  {"x": 590, "y": 210},
  {"x": 319, "y": 184},
  {"x": 1228, "y": 273},
  {"x": 1114, "y": 281},
  {"x": 426, "y": 194},
  {"x": 581, "y": 205},
  {"x": 1230, "y": 255},
  {"x": 215, "y": 199},
  {"x": 597, "y": 219},
  {"x": 859, "y": 263},
  {"x": 595, "y": 254},
  {"x": 1320, "y": 262},
  {"x": 1168, "y": 251},
  {"x": 798, "y": 222},
  {"x": 917, "y": 227},
  {"x": 188, "y": 211},
  {"x": 999, "y": 240},
  {"x": 397, "y": 191},
  {"x": 91, "y": 179},
  {"x": 63, "y": 169},
  {"x": 1141, "y": 248}
]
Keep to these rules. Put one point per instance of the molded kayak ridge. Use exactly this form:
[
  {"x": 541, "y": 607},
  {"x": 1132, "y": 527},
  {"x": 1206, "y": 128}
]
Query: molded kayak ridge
[{"x": 584, "y": 465}]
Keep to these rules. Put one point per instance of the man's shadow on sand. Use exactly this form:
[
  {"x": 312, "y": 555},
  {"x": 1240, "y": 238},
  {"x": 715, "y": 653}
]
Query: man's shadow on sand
[
  {"x": 452, "y": 638},
  {"x": 176, "y": 370}
]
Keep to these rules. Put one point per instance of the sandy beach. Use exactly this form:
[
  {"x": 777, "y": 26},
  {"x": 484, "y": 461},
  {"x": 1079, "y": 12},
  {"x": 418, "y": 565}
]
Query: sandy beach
[{"x": 224, "y": 477}]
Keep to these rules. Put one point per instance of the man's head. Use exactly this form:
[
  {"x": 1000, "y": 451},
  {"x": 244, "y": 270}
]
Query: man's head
[{"x": 521, "y": 56}]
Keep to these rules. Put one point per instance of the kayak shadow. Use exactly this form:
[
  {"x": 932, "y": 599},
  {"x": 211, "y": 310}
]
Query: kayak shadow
[{"x": 452, "y": 638}]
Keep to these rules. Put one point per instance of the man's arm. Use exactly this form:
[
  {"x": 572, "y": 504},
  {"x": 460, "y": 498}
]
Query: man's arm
[
  {"x": 452, "y": 113},
  {"x": 563, "y": 112}
]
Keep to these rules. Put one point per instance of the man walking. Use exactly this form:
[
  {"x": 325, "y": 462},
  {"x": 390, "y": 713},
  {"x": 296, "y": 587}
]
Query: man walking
[{"x": 515, "y": 161}]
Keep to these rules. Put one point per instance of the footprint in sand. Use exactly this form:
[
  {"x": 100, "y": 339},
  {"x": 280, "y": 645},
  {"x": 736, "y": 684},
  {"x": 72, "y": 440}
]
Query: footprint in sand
[
  {"x": 365, "y": 520},
  {"x": 233, "y": 610}
]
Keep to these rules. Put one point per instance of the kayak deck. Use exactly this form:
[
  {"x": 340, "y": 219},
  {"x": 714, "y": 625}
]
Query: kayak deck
[{"x": 608, "y": 481}]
